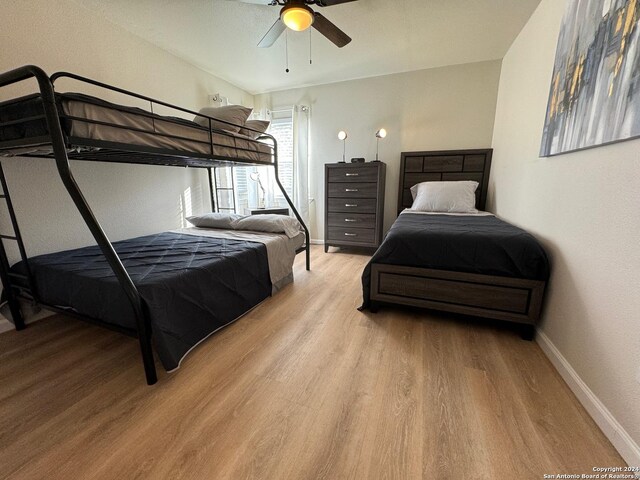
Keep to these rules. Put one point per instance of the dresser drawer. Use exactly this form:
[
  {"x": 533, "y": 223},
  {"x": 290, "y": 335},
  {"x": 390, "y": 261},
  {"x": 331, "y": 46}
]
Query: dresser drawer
[
  {"x": 360, "y": 220},
  {"x": 354, "y": 235},
  {"x": 353, "y": 190},
  {"x": 352, "y": 174},
  {"x": 352, "y": 205}
]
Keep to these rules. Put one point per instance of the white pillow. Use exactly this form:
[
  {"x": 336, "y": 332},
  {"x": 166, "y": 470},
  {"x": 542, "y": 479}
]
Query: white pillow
[
  {"x": 235, "y": 114},
  {"x": 450, "y": 197},
  {"x": 260, "y": 125},
  {"x": 270, "y": 223},
  {"x": 225, "y": 221}
]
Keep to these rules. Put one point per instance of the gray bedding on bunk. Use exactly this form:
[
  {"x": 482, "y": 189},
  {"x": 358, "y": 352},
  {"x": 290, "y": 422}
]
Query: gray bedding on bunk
[
  {"x": 192, "y": 285},
  {"x": 135, "y": 127}
]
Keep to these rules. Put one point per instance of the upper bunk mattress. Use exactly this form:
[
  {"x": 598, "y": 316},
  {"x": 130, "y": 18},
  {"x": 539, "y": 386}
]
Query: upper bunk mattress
[
  {"x": 481, "y": 244},
  {"x": 94, "y": 123}
]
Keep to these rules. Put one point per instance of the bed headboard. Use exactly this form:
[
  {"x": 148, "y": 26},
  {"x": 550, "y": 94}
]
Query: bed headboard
[{"x": 417, "y": 167}]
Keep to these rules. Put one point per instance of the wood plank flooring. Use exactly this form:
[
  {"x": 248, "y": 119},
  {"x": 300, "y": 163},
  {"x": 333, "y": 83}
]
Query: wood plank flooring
[{"x": 304, "y": 387}]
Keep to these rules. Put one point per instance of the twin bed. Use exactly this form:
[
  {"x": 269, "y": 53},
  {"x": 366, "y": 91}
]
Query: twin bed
[
  {"x": 468, "y": 263},
  {"x": 173, "y": 289}
]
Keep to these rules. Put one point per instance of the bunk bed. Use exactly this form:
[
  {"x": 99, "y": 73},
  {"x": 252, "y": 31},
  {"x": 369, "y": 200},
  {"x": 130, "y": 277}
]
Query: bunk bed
[{"x": 71, "y": 126}]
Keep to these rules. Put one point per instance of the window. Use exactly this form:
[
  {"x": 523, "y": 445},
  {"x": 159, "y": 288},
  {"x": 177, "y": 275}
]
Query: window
[
  {"x": 282, "y": 129},
  {"x": 185, "y": 206},
  {"x": 248, "y": 193},
  {"x": 256, "y": 186}
]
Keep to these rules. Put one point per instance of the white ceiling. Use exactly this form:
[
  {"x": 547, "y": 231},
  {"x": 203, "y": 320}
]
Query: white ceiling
[{"x": 389, "y": 36}]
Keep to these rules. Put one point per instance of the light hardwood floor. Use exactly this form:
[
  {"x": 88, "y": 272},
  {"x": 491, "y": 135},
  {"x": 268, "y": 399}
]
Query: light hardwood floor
[{"x": 304, "y": 387}]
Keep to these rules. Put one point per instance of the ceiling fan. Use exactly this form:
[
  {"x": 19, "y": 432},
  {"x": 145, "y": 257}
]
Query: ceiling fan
[{"x": 298, "y": 16}]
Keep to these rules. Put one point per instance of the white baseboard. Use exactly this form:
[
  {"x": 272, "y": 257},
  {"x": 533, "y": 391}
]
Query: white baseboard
[
  {"x": 316, "y": 241},
  {"x": 617, "y": 435}
]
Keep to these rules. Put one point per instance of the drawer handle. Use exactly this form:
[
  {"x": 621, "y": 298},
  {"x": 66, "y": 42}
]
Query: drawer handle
[
  {"x": 350, "y": 220},
  {"x": 350, "y": 234},
  {"x": 350, "y": 204},
  {"x": 350, "y": 189},
  {"x": 352, "y": 174}
]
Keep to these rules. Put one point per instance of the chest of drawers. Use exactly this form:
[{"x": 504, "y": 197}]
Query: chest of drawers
[{"x": 354, "y": 204}]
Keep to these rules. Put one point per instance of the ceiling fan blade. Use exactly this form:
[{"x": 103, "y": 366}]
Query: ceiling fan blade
[
  {"x": 329, "y": 30},
  {"x": 273, "y": 34},
  {"x": 329, "y": 3}
]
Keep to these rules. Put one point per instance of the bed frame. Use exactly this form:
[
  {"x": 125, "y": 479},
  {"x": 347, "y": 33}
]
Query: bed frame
[
  {"x": 22, "y": 286},
  {"x": 488, "y": 296}
]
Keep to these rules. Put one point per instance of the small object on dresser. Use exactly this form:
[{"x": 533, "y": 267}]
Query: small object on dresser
[
  {"x": 382, "y": 133},
  {"x": 357, "y": 160},
  {"x": 342, "y": 135}
]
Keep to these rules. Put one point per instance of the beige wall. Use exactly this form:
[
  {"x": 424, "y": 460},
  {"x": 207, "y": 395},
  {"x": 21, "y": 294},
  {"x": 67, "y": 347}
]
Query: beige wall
[
  {"x": 129, "y": 200},
  {"x": 584, "y": 207},
  {"x": 441, "y": 108}
]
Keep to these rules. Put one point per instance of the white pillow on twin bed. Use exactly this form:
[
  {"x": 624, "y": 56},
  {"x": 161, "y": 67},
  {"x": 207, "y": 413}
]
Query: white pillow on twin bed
[
  {"x": 235, "y": 114},
  {"x": 224, "y": 221},
  {"x": 260, "y": 125},
  {"x": 450, "y": 197},
  {"x": 270, "y": 223}
]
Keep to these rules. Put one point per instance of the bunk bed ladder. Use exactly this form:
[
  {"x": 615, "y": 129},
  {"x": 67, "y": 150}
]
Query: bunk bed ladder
[
  {"x": 6, "y": 275},
  {"x": 219, "y": 189}
]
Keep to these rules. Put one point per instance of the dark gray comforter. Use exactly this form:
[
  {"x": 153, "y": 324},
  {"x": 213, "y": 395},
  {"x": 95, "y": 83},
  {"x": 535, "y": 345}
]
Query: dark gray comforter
[
  {"x": 191, "y": 285},
  {"x": 472, "y": 244}
]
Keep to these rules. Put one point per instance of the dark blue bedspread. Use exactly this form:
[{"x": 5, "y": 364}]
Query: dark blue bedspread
[
  {"x": 191, "y": 285},
  {"x": 472, "y": 244}
]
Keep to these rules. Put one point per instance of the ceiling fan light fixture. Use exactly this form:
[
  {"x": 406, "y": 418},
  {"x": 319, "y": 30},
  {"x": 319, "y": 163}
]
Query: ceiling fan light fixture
[{"x": 298, "y": 17}]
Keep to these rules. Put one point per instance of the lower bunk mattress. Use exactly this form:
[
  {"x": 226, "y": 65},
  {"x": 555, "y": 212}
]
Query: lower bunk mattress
[
  {"x": 192, "y": 285},
  {"x": 481, "y": 244}
]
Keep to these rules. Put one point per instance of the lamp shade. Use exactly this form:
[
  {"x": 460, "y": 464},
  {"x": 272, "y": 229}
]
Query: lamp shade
[
  {"x": 342, "y": 135},
  {"x": 297, "y": 18}
]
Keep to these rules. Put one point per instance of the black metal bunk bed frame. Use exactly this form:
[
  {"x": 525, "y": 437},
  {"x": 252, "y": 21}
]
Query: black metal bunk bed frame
[{"x": 60, "y": 143}]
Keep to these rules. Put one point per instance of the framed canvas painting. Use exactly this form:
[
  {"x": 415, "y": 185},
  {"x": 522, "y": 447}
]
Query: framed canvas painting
[{"x": 594, "y": 97}]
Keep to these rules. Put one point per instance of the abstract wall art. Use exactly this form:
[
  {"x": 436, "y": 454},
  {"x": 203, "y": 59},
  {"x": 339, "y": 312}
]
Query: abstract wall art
[{"x": 594, "y": 97}]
